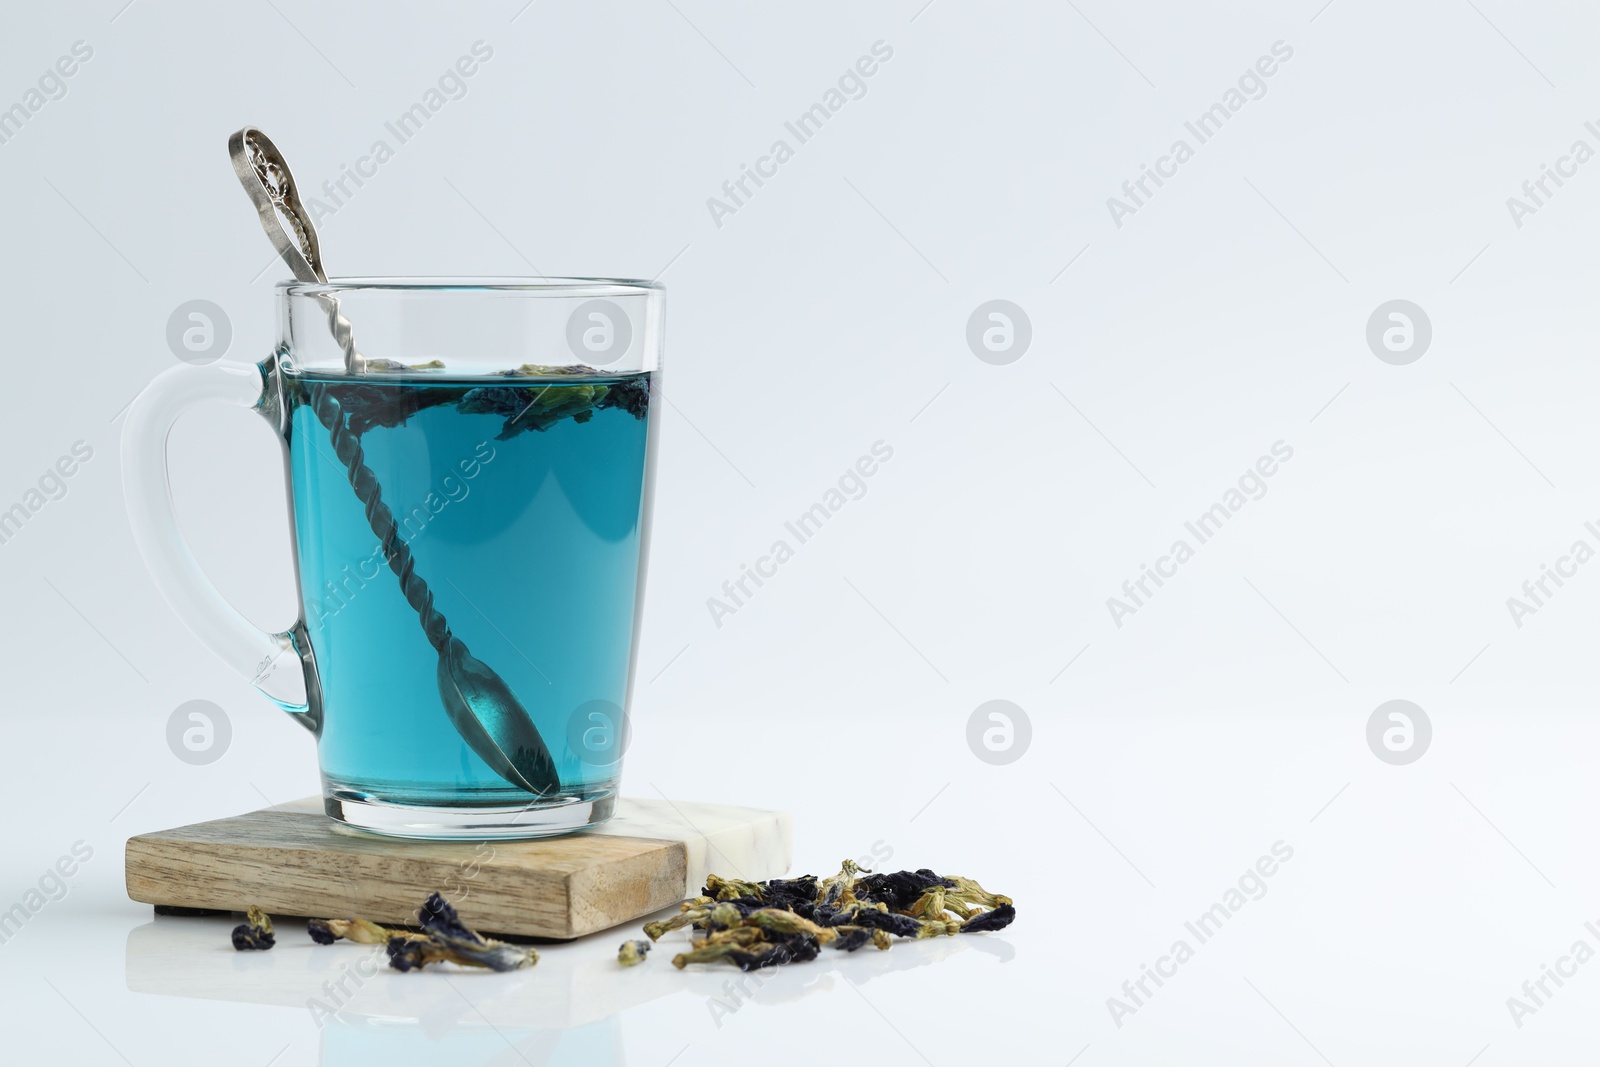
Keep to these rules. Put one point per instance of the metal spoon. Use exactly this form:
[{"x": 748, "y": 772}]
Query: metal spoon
[{"x": 484, "y": 710}]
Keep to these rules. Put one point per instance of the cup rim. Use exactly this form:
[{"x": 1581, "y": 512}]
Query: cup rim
[{"x": 473, "y": 283}]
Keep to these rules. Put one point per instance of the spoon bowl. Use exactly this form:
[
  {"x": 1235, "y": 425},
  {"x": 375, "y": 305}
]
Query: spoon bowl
[{"x": 493, "y": 721}]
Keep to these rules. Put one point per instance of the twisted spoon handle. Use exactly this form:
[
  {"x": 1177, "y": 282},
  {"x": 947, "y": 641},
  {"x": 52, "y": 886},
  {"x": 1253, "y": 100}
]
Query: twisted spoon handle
[
  {"x": 354, "y": 362},
  {"x": 347, "y": 446}
]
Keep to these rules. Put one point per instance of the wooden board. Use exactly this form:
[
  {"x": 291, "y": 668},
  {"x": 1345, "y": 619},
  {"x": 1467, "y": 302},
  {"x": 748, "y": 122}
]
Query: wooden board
[{"x": 294, "y": 860}]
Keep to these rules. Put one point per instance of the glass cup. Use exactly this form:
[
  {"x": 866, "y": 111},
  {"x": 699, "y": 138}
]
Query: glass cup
[{"x": 469, "y": 465}]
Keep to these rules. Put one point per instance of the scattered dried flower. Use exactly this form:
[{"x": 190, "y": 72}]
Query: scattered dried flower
[
  {"x": 788, "y": 920},
  {"x": 362, "y": 932},
  {"x": 448, "y": 939},
  {"x": 850, "y": 938},
  {"x": 731, "y": 888},
  {"x": 747, "y": 924},
  {"x": 256, "y": 933},
  {"x": 444, "y": 938},
  {"x": 633, "y": 953},
  {"x": 997, "y": 918},
  {"x": 684, "y": 918}
]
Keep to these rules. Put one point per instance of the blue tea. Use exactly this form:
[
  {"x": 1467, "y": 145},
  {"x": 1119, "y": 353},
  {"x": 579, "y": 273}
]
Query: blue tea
[{"x": 520, "y": 503}]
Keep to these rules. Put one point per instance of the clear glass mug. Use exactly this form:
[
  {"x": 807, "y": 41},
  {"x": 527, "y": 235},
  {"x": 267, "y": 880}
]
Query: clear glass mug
[{"x": 469, "y": 464}]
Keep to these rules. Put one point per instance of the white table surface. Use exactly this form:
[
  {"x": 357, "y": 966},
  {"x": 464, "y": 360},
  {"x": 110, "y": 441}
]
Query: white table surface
[{"x": 1416, "y": 901}]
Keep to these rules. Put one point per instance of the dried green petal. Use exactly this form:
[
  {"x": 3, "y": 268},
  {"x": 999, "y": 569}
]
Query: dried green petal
[
  {"x": 750, "y": 957},
  {"x": 930, "y": 905},
  {"x": 970, "y": 892},
  {"x": 361, "y": 931},
  {"x": 684, "y": 918},
  {"x": 839, "y": 890},
  {"x": 784, "y": 922},
  {"x": 736, "y": 935},
  {"x": 937, "y": 928},
  {"x": 541, "y": 370},
  {"x": 732, "y": 888},
  {"x": 632, "y": 953},
  {"x": 703, "y": 954}
]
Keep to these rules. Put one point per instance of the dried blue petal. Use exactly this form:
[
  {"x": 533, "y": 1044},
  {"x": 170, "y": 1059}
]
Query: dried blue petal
[
  {"x": 445, "y": 938},
  {"x": 246, "y": 939},
  {"x": 996, "y": 918},
  {"x": 406, "y": 954},
  {"x": 900, "y": 889},
  {"x": 788, "y": 892},
  {"x": 887, "y": 921},
  {"x": 801, "y": 949},
  {"x": 438, "y": 918},
  {"x": 851, "y": 940},
  {"x": 256, "y": 933}
]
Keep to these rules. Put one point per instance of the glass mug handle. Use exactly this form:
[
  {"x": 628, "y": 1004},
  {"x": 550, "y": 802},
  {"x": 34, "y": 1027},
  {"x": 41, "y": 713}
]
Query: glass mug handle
[{"x": 279, "y": 665}]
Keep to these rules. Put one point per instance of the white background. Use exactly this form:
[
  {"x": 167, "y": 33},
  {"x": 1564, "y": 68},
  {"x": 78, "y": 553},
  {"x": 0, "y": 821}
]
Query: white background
[{"x": 828, "y": 313}]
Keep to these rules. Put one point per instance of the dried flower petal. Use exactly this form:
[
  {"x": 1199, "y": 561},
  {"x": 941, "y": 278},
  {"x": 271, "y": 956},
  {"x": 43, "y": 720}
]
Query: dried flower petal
[
  {"x": 796, "y": 950},
  {"x": 787, "y": 923},
  {"x": 540, "y": 370},
  {"x": 840, "y": 889},
  {"x": 731, "y": 888},
  {"x": 256, "y": 933},
  {"x": 744, "y": 936},
  {"x": 787, "y": 892},
  {"x": 888, "y": 922},
  {"x": 997, "y": 918},
  {"x": 632, "y": 953},
  {"x": 444, "y": 939},
  {"x": 450, "y": 939},
  {"x": 362, "y": 932},
  {"x": 410, "y": 954},
  {"x": 850, "y": 938},
  {"x": 972, "y": 893},
  {"x": 765, "y": 924},
  {"x": 684, "y": 918},
  {"x": 900, "y": 889},
  {"x": 930, "y": 905},
  {"x": 937, "y": 928}
]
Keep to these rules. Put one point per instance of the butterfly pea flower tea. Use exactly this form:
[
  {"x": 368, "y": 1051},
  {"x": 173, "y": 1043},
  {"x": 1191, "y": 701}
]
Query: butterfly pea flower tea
[
  {"x": 392, "y": 398},
  {"x": 470, "y": 520}
]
